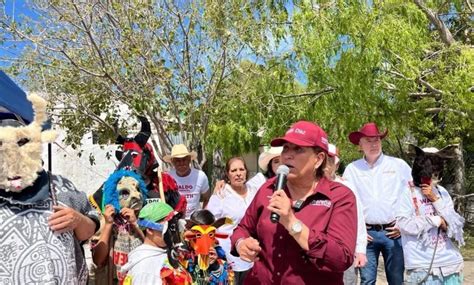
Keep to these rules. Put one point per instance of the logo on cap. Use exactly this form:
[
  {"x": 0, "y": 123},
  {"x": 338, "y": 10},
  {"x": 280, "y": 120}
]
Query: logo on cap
[{"x": 297, "y": 131}]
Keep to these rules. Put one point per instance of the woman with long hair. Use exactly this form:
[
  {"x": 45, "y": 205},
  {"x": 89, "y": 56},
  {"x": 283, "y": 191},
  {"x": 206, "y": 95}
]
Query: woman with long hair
[{"x": 232, "y": 202}]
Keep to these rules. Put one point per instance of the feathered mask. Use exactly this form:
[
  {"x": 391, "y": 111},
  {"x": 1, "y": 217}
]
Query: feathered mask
[{"x": 202, "y": 234}]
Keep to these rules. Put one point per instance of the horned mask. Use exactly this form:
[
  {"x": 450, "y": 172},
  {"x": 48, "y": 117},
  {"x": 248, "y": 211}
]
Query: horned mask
[
  {"x": 429, "y": 162},
  {"x": 202, "y": 234},
  {"x": 20, "y": 148}
]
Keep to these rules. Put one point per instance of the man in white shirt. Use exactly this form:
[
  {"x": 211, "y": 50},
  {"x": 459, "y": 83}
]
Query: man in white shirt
[
  {"x": 380, "y": 181},
  {"x": 193, "y": 184}
]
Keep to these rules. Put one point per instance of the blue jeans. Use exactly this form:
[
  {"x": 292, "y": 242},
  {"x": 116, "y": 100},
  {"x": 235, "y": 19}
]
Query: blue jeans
[
  {"x": 392, "y": 253},
  {"x": 414, "y": 277}
]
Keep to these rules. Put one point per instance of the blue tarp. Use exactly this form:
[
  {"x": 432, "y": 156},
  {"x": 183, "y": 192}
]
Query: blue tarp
[{"x": 13, "y": 99}]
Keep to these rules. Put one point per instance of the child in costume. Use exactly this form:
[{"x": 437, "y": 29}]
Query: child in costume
[
  {"x": 206, "y": 262},
  {"x": 137, "y": 176},
  {"x": 138, "y": 155},
  {"x": 145, "y": 262},
  {"x": 427, "y": 222},
  {"x": 124, "y": 194},
  {"x": 43, "y": 217}
]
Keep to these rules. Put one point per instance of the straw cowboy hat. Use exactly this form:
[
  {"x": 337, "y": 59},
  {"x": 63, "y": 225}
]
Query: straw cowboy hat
[
  {"x": 179, "y": 151},
  {"x": 367, "y": 130},
  {"x": 266, "y": 156}
]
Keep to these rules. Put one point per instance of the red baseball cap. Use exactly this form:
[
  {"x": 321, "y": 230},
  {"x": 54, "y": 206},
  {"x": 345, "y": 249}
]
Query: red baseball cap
[
  {"x": 367, "y": 130},
  {"x": 304, "y": 133}
]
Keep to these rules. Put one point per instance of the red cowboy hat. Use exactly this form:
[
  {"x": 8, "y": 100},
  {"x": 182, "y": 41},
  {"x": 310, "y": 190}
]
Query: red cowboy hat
[{"x": 367, "y": 130}]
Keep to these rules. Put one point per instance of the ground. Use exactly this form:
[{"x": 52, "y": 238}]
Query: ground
[{"x": 468, "y": 272}]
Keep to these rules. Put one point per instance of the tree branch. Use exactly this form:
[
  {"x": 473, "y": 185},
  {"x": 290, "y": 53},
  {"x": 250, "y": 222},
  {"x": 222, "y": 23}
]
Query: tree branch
[
  {"x": 443, "y": 31},
  {"x": 98, "y": 51},
  {"x": 429, "y": 86},
  {"x": 398, "y": 74},
  {"x": 388, "y": 86},
  {"x": 439, "y": 110},
  {"x": 419, "y": 95},
  {"x": 469, "y": 5},
  {"x": 315, "y": 93}
]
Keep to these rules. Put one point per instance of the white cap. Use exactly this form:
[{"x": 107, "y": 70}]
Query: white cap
[
  {"x": 334, "y": 151},
  {"x": 268, "y": 155}
]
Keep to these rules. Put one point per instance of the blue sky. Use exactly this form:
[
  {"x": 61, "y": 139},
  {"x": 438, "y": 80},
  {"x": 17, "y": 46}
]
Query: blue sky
[
  {"x": 16, "y": 9},
  {"x": 10, "y": 48}
]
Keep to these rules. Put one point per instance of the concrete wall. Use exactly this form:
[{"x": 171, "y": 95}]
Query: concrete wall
[{"x": 78, "y": 169}]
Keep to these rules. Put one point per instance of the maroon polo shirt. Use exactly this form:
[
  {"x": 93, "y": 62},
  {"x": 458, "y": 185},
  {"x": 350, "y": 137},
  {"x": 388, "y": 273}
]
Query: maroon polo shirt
[{"x": 330, "y": 214}]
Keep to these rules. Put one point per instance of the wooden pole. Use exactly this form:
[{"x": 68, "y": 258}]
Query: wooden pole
[{"x": 160, "y": 184}]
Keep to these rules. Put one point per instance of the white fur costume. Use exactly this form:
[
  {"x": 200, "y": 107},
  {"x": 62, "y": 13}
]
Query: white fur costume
[{"x": 30, "y": 252}]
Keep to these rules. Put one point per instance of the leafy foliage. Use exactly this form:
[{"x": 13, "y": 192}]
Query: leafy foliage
[{"x": 232, "y": 75}]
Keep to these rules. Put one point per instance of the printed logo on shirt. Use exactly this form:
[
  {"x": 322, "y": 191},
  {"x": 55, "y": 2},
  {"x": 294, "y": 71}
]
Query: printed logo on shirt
[
  {"x": 434, "y": 240},
  {"x": 325, "y": 203},
  {"x": 189, "y": 196},
  {"x": 428, "y": 207},
  {"x": 152, "y": 200},
  {"x": 185, "y": 187}
]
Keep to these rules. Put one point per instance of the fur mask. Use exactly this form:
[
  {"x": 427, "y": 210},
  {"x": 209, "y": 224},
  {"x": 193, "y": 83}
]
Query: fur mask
[
  {"x": 20, "y": 149},
  {"x": 124, "y": 189},
  {"x": 429, "y": 163}
]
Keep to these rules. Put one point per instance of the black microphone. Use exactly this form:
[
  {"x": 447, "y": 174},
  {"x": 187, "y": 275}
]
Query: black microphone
[{"x": 282, "y": 172}]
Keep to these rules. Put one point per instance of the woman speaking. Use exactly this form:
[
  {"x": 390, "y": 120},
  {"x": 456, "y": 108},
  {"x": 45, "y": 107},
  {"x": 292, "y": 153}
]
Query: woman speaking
[{"x": 314, "y": 240}]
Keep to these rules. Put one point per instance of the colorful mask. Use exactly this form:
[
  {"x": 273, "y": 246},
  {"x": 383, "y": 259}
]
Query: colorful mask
[
  {"x": 137, "y": 154},
  {"x": 129, "y": 193},
  {"x": 123, "y": 189},
  {"x": 203, "y": 237},
  {"x": 20, "y": 149}
]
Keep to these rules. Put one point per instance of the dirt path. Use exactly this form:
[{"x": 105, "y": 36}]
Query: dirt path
[{"x": 468, "y": 273}]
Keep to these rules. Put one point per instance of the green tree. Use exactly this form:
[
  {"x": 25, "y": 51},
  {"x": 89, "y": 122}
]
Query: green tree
[
  {"x": 233, "y": 74},
  {"x": 164, "y": 59},
  {"x": 406, "y": 65}
]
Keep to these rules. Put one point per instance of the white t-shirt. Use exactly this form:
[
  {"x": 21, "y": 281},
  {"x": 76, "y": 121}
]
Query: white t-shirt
[
  {"x": 257, "y": 181},
  {"x": 420, "y": 232},
  {"x": 144, "y": 265},
  {"x": 232, "y": 205},
  {"x": 379, "y": 187},
  {"x": 191, "y": 187}
]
